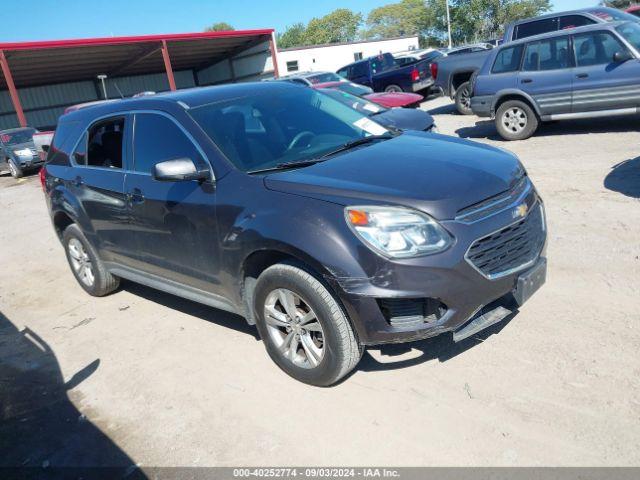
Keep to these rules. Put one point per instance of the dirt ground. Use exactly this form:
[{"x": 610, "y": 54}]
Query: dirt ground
[{"x": 143, "y": 377}]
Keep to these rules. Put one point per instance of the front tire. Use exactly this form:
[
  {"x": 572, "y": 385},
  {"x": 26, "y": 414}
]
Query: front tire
[
  {"x": 14, "y": 169},
  {"x": 516, "y": 120},
  {"x": 88, "y": 269},
  {"x": 393, "y": 89},
  {"x": 463, "y": 99},
  {"x": 304, "y": 328}
]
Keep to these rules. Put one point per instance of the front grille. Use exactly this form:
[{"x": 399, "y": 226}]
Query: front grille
[{"x": 513, "y": 248}]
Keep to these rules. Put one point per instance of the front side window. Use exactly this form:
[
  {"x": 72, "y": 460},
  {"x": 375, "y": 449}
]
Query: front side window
[
  {"x": 549, "y": 54},
  {"x": 537, "y": 27},
  {"x": 508, "y": 59},
  {"x": 157, "y": 138},
  {"x": 104, "y": 144},
  {"x": 360, "y": 69},
  {"x": 631, "y": 33},
  {"x": 595, "y": 48},
  {"x": 299, "y": 124}
]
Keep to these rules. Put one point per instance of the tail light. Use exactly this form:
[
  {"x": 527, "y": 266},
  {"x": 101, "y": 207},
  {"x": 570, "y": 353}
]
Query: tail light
[
  {"x": 434, "y": 70},
  {"x": 415, "y": 75},
  {"x": 43, "y": 178}
]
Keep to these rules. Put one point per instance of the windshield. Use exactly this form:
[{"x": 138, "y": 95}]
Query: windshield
[
  {"x": 324, "y": 78},
  {"x": 360, "y": 104},
  {"x": 262, "y": 130},
  {"x": 631, "y": 33},
  {"x": 611, "y": 15},
  {"x": 17, "y": 136}
]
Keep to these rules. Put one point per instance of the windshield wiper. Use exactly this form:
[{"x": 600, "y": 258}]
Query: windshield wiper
[
  {"x": 358, "y": 142},
  {"x": 287, "y": 165}
]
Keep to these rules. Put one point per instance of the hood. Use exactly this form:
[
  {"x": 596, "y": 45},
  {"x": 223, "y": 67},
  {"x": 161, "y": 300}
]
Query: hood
[
  {"x": 437, "y": 174},
  {"x": 20, "y": 146},
  {"x": 404, "y": 119}
]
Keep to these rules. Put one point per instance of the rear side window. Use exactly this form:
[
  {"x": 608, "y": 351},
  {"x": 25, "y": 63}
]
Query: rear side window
[
  {"x": 537, "y": 27},
  {"x": 508, "y": 60},
  {"x": 573, "y": 21},
  {"x": 101, "y": 145},
  {"x": 596, "y": 48},
  {"x": 157, "y": 139},
  {"x": 549, "y": 54}
]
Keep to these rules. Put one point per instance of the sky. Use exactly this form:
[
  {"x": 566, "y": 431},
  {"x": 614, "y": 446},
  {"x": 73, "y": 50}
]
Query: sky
[{"x": 29, "y": 20}]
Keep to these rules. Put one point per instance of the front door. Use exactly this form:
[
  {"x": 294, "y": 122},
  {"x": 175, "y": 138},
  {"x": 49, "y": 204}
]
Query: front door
[
  {"x": 173, "y": 223},
  {"x": 600, "y": 83},
  {"x": 546, "y": 75},
  {"x": 98, "y": 184}
]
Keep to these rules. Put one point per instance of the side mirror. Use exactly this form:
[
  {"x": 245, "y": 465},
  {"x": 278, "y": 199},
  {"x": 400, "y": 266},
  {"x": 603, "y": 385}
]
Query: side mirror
[
  {"x": 45, "y": 148},
  {"x": 179, "y": 170},
  {"x": 620, "y": 57}
]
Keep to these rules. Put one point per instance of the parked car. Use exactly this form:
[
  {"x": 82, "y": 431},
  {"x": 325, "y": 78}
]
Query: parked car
[
  {"x": 312, "y": 78},
  {"x": 585, "y": 72},
  {"x": 283, "y": 205},
  {"x": 42, "y": 140},
  {"x": 391, "y": 118},
  {"x": 17, "y": 151},
  {"x": 386, "y": 99},
  {"x": 412, "y": 57},
  {"x": 452, "y": 74},
  {"x": 471, "y": 48},
  {"x": 634, "y": 10},
  {"x": 383, "y": 74}
]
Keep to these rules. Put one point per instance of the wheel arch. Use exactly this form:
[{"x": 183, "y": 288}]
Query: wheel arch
[
  {"x": 457, "y": 78},
  {"x": 507, "y": 95}
]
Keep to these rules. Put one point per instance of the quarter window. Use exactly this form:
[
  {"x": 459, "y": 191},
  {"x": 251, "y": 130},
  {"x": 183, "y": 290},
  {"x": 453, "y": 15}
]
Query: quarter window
[
  {"x": 508, "y": 59},
  {"x": 157, "y": 139},
  {"x": 595, "y": 48},
  {"x": 549, "y": 54},
  {"x": 104, "y": 146}
]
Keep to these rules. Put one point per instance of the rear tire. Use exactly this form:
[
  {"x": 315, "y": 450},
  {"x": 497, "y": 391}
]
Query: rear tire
[
  {"x": 15, "y": 170},
  {"x": 88, "y": 269},
  {"x": 463, "y": 99},
  {"x": 516, "y": 120},
  {"x": 393, "y": 89},
  {"x": 304, "y": 329}
]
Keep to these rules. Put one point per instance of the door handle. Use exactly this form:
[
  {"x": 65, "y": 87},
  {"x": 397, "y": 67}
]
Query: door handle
[
  {"x": 582, "y": 75},
  {"x": 136, "y": 196},
  {"x": 526, "y": 80}
]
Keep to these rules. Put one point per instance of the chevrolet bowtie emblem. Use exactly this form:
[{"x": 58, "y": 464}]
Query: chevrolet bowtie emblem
[{"x": 521, "y": 211}]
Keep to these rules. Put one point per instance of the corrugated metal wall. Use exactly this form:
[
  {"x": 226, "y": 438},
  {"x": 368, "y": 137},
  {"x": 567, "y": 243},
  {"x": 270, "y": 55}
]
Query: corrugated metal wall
[{"x": 43, "y": 105}]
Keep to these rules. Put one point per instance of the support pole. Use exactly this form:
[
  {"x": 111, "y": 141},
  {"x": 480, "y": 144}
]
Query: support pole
[
  {"x": 274, "y": 54},
  {"x": 167, "y": 66},
  {"x": 13, "y": 93}
]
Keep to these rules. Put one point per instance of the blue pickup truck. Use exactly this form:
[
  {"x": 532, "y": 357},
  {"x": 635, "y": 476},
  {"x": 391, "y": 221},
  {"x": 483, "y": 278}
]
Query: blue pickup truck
[
  {"x": 584, "y": 72},
  {"x": 383, "y": 74}
]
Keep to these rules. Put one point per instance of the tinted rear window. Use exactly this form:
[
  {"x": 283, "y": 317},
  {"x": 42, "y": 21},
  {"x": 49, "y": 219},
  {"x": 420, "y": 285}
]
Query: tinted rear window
[
  {"x": 573, "y": 21},
  {"x": 508, "y": 59},
  {"x": 537, "y": 27}
]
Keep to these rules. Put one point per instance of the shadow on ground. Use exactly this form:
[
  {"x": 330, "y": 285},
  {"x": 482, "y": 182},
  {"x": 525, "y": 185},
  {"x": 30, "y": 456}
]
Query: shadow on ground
[
  {"x": 42, "y": 434},
  {"x": 625, "y": 178},
  {"x": 204, "y": 312},
  {"x": 487, "y": 129}
]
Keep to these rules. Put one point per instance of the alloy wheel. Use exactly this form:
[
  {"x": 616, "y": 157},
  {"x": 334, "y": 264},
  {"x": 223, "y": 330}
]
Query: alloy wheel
[
  {"x": 514, "y": 120},
  {"x": 465, "y": 98},
  {"x": 81, "y": 262},
  {"x": 294, "y": 328},
  {"x": 12, "y": 169}
]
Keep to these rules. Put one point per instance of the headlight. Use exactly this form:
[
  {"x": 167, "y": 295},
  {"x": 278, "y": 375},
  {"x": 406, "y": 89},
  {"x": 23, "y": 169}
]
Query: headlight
[
  {"x": 397, "y": 232},
  {"x": 25, "y": 152}
]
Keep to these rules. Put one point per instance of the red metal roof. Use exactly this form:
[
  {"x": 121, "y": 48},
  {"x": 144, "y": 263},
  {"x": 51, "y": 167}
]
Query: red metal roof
[{"x": 169, "y": 37}]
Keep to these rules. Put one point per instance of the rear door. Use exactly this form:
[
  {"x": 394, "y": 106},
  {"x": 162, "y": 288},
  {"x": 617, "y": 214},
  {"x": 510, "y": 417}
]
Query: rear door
[
  {"x": 173, "y": 223},
  {"x": 599, "y": 83},
  {"x": 546, "y": 74},
  {"x": 98, "y": 183}
]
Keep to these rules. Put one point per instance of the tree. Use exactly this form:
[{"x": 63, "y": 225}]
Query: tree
[
  {"x": 408, "y": 17},
  {"x": 293, "y": 36},
  {"x": 219, "y": 27},
  {"x": 619, "y": 4},
  {"x": 341, "y": 25}
]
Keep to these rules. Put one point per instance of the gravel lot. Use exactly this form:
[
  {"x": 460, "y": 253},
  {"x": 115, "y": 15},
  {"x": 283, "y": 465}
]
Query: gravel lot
[{"x": 169, "y": 382}]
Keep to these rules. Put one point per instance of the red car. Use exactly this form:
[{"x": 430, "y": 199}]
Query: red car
[
  {"x": 634, "y": 10},
  {"x": 388, "y": 100}
]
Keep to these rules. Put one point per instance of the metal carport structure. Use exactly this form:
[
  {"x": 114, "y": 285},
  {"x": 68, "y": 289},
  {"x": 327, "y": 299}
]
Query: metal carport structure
[{"x": 50, "y": 75}]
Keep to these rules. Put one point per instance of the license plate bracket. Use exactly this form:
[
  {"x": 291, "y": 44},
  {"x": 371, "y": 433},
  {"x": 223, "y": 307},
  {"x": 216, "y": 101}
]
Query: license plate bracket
[{"x": 529, "y": 282}]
